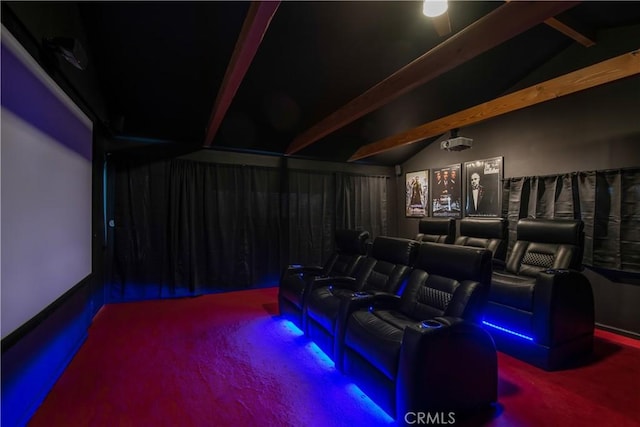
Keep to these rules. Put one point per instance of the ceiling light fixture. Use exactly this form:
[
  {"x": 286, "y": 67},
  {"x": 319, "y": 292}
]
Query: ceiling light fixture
[{"x": 433, "y": 8}]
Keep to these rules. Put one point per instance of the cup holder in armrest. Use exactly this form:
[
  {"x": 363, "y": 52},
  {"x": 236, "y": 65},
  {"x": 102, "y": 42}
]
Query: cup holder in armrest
[
  {"x": 360, "y": 294},
  {"x": 430, "y": 324}
]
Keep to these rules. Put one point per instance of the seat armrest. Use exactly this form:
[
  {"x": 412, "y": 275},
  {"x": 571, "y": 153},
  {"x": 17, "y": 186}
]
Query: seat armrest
[
  {"x": 375, "y": 299},
  {"x": 446, "y": 367},
  {"x": 294, "y": 268},
  {"x": 563, "y": 306},
  {"x": 291, "y": 269},
  {"x": 448, "y": 320},
  {"x": 385, "y": 301},
  {"x": 336, "y": 281}
]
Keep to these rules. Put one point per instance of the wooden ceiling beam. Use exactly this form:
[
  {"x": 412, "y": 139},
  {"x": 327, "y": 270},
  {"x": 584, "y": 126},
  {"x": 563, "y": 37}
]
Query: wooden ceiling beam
[
  {"x": 253, "y": 30},
  {"x": 502, "y": 24},
  {"x": 595, "y": 75},
  {"x": 570, "y": 31}
]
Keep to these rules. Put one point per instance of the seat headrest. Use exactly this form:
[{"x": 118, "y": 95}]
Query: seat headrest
[
  {"x": 558, "y": 231},
  {"x": 455, "y": 262},
  {"x": 352, "y": 241},
  {"x": 394, "y": 250},
  {"x": 437, "y": 226},
  {"x": 490, "y": 228}
]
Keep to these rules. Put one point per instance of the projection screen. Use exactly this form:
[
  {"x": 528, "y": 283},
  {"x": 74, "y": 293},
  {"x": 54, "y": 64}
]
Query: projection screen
[{"x": 45, "y": 184}]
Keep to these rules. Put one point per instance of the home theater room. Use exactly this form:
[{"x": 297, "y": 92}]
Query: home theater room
[{"x": 331, "y": 213}]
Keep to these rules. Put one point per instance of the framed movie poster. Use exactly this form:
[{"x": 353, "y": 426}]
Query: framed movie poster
[
  {"x": 417, "y": 193},
  {"x": 446, "y": 192},
  {"x": 484, "y": 188}
]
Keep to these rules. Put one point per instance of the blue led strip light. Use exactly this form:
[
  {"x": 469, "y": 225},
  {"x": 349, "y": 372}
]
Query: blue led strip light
[
  {"x": 326, "y": 364},
  {"x": 509, "y": 331}
]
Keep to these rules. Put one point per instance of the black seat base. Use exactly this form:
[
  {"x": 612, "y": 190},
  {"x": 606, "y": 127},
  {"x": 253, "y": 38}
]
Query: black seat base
[{"x": 564, "y": 356}]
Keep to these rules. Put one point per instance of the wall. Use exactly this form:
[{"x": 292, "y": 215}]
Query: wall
[
  {"x": 591, "y": 130},
  {"x": 31, "y": 22}
]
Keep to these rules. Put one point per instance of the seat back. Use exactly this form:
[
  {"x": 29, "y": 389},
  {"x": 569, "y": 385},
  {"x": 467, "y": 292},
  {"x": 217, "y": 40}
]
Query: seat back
[
  {"x": 448, "y": 280},
  {"x": 351, "y": 249},
  {"x": 542, "y": 244},
  {"x": 436, "y": 230},
  {"x": 387, "y": 265},
  {"x": 487, "y": 233}
]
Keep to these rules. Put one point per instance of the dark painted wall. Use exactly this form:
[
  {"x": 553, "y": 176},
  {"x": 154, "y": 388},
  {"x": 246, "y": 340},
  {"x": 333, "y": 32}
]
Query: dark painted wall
[
  {"x": 591, "y": 130},
  {"x": 32, "y": 22}
]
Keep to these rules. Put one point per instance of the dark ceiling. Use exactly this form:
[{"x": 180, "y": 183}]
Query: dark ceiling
[{"x": 160, "y": 65}]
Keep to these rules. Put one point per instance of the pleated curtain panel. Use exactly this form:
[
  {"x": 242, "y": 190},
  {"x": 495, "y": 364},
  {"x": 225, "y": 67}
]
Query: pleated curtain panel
[
  {"x": 186, "y": 228},
  {"x": 608, "y": 202}
]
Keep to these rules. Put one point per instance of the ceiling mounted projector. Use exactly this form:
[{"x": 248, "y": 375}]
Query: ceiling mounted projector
[
  {"x": 68, "y": 48},
  {"x": 458, "y": 143}
]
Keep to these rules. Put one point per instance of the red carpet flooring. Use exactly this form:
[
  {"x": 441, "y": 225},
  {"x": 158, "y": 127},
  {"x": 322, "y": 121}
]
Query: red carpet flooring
[{"x": 228, "y": 360}]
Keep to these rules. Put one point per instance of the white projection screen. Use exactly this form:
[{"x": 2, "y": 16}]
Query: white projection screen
[{"x": 45, "y": 184}]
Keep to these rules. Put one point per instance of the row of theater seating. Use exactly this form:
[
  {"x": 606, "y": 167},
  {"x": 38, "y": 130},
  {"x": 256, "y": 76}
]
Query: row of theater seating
[
  {"x": 489, "y": 233},
  {"x": 405, "y": 324},
  {"x": 540, "y": 306},
  {"x": 410, "y": 319}
]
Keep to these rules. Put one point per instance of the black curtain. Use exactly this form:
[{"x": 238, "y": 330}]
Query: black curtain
[
  {"x": 607, "y": 201},
  {"x": 310, "y": 216},
  {"x": 139, "y": 237},
  {"x": 223, "y": 229},
  {"x": 362, "y": 203},
  {"x": 186, "y": 228}
]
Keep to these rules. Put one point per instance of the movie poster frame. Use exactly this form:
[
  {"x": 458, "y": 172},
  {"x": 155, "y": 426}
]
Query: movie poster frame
[
  {"x": 451, "y": 196},
  {"x": 491, "y": 172},
  {"x": 422, "y": 210}
]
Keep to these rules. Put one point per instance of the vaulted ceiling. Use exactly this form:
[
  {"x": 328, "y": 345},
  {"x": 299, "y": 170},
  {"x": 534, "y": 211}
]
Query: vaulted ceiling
[{"x": 317, "y": 79}]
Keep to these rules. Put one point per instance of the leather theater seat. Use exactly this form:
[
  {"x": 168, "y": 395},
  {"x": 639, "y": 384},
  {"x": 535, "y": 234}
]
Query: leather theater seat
[
  {"x": 383, "y": 270},
  {"x": 488, "y": 233},
  {"x": 541, "y": 302},
  {"x": 350, "y": 250},
  {"x": 436, "y": 230},
  {"x": 426, "y": 350}
]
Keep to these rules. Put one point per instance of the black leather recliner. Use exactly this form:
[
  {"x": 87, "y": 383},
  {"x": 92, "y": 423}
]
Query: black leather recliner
[
  {"x": 383, "y": 270},
  {"x": 541, "y": 306},
  {"x": 426, "y": 351},
  {"x": 488, "y": 233},
  {"x": 436, "y": 230},
  {"x": 350, "y": 250}
]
